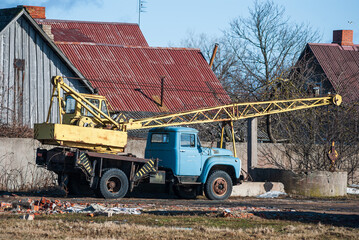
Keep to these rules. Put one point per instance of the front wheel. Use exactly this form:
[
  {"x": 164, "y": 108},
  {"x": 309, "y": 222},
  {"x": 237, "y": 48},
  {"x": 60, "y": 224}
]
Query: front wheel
[
  {"x": 113, "y": 184},
  {"x": 218, "y": 186}
]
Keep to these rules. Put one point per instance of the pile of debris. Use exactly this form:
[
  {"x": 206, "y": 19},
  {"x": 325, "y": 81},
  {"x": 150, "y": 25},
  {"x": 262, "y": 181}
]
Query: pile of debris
[{"x": 29, "y": 208}]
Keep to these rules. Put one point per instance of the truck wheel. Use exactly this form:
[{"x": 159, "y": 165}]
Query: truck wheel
[
  {"x": 113, "y": 184},
  {"x": 185, "y": 192},
  {"x": 218, "y": 186}
]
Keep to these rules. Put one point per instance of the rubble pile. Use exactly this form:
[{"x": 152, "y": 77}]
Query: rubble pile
[{"x": 29, "y": 208}]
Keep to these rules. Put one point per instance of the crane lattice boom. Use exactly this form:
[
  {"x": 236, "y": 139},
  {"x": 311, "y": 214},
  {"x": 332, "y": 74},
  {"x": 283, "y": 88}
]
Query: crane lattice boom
[{"x": 232, "y": 112}]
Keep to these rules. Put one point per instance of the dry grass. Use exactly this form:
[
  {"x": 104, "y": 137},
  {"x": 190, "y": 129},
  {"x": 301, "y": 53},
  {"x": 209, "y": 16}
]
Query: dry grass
[
  {"x": 147, "y": 226},
  {"x": 26, "y": 177},
  {"x": 15, "y": 131}
]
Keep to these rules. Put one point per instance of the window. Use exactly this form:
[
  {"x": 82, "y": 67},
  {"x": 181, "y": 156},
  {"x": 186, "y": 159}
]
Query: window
[
  {"x": 187, "y": 140},
  {"x": 160, "y": 138},
  {"x": 84, "y": 111},
  {"x": 104, "y": 108},
  {"x": 70, "y": 104}
]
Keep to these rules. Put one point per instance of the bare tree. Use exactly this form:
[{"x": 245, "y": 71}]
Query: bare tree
[
  {"x": 266, "y": 45},
  {"x": 258, "y": 60},
  {"x": 225, "y": 62}
]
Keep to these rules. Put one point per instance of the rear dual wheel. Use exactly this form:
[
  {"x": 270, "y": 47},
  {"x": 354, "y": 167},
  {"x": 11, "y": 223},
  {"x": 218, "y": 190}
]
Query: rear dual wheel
[{"x": 113, "y": 184}]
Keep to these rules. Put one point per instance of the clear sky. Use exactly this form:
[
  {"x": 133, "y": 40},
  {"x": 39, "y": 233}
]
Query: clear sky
[{"x": 167, "y": 22}]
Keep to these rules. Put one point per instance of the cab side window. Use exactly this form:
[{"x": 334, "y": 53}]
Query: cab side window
[
  {"x": 187, "y": 140},
  {"x": 70, "y": 104}
]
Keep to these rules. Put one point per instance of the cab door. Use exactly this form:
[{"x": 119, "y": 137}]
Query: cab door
[{"x": 189, "y": 155}]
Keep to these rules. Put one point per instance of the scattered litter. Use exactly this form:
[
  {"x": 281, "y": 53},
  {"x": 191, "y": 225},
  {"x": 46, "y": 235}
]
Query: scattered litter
[
  {"x": 5, "y": 205},
  {"x": 28, "y": 208},
  {"x": 227, "y": 213},
  {"x": 354, "y": 185},
  {"x": 352, "y": 190},
  {"x": 28, "y": 217},
  {"x": 97, "y": 209},
  {"x": 271, "y": 194}
]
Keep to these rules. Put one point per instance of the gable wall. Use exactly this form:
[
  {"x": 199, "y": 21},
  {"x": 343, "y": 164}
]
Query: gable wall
[{"x": 25, "y": 91}]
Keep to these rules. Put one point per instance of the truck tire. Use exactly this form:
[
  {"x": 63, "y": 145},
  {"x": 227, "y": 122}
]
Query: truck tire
[
  {"x": 113, "y": 184},
  {"x": 185, "y": 192},
  {"x": 218, "y": 186}
]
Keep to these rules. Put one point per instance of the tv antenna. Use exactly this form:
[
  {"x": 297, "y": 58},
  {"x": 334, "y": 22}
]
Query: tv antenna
[{"x": 141, "y": 9}]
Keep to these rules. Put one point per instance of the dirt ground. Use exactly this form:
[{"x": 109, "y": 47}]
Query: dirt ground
[
  {"x": 163, "y": 216},
  {"x": 342, "y": 212}
]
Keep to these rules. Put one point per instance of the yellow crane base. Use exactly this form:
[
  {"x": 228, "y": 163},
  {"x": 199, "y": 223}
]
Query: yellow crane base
[{"x": 95, "y": 139}]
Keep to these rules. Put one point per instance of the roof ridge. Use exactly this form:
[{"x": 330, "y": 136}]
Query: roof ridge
[
  {"x": 126, "y": 46},
  {"x": 331, "y": 44},
  {"x": 81, "y": 21}
]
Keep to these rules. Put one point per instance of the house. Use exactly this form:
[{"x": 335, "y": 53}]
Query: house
[
  {"x": 115, "y": 58},
  {"x": 335, "y": 65},
  {"x": 136, "y": 78},
  {"x": 28, "y": 59}
]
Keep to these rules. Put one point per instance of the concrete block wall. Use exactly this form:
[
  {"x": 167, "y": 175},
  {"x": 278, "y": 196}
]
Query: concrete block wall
[{"x": 18, "y": 169}]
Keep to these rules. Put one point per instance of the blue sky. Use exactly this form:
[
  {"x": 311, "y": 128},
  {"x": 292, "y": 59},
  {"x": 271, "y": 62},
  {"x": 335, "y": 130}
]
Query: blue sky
[{"x": 168, "y": 22}]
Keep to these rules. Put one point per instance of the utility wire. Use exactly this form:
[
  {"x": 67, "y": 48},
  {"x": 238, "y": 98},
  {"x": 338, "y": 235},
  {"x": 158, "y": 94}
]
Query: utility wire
[{"x": 220, "y": 91}]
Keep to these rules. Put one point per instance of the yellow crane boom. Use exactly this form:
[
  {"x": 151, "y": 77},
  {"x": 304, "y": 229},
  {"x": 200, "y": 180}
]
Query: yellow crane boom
[
  {"x": 89, "y": 126},
  {"x": 232, "y": 112}
]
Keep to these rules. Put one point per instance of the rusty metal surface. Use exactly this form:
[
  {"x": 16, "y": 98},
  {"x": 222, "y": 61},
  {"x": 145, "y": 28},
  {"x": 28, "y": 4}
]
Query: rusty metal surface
[
  {"x": 117, "y": 71},
  {"x": 333, "y": 156},
  {"x": 220, "y": 186},
  {"x": 117, "y": 157},
  {"x": 97, "y": 32},
  {"x": 116, "y": 58}
]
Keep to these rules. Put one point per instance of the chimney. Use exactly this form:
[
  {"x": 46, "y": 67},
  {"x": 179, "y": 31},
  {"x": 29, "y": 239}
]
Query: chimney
[
  {"x": 47, "y": 30},
  {"x": 343, "y": 37},
  {"x": 34, "y": 11}
]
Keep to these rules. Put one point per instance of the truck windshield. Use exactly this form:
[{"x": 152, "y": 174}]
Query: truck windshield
[
  {"x": 85, "y": 112},
  {"x": 159, "y": 138},
  {"x": 198, "y": 143},
  {"x": 70, "y": 104}
]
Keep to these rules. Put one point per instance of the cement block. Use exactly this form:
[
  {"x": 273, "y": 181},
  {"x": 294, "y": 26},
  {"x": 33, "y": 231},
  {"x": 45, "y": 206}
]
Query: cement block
[
  {"x": 252, "y": 189},
  {"x": 316, "y": 183}
]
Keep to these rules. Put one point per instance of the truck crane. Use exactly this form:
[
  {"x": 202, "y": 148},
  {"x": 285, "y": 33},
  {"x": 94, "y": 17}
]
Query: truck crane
[{"x": 90, "y": 144}]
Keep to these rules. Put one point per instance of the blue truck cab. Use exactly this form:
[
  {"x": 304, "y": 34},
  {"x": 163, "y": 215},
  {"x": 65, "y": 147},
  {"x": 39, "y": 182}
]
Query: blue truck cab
[{"x": 188, "y": 168}]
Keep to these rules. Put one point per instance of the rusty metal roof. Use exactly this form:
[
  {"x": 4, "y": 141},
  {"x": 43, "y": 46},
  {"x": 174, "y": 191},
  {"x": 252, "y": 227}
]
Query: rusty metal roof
[
  {"x": 97, "y": 32},
  {"x": 116, "y": 59},
  {"x": 130, "y": 77},
  {"x": 341, "y": 66}
]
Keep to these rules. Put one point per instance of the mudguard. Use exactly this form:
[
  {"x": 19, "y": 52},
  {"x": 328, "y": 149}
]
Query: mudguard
[{"x": 220, "y": 160}]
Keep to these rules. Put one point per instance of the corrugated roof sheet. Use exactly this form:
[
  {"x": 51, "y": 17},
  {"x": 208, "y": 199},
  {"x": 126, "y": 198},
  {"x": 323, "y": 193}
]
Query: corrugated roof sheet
[
  {"x": 130, "y": 77},
  {"x": 97, "y": 32},
  {"x": 341, "y": 66}
]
